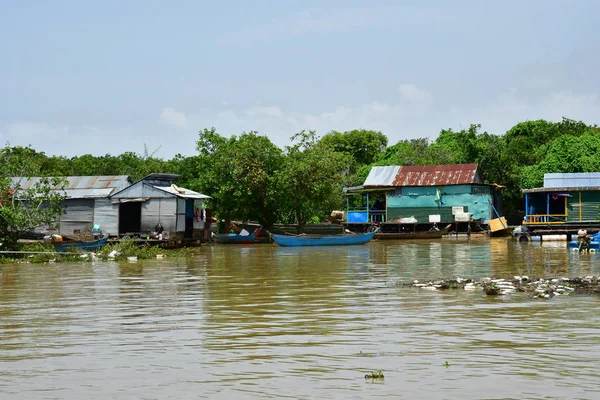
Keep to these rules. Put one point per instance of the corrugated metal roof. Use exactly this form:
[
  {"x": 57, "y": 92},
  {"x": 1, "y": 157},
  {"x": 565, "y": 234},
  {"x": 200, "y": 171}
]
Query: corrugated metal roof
[
  {"x": 184, "y": 193},
  {"x": 581, "y": 179},
  {"x": 437, "y": 175},
  {"x": 79, "y": 187},
  {"x": 561, "y": 189},
  {"x": 381, "y": 176}
]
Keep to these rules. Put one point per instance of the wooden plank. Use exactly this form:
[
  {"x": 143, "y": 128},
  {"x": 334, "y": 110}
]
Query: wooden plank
[{"x": 498, "y": 224}]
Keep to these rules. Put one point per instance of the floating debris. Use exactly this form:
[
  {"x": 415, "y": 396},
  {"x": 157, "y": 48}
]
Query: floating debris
[
  {"x": 544, "y": 288},
  {"x": 375, "y": 375}
]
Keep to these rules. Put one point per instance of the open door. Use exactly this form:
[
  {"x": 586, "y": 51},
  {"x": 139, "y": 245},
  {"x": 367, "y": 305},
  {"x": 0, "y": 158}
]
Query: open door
[
  {"x": 189, "y": 219},
  {"x": 130, "y": 217}
]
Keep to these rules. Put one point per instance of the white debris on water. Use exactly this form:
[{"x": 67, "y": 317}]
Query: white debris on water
[{"x": 539, "y": 288}]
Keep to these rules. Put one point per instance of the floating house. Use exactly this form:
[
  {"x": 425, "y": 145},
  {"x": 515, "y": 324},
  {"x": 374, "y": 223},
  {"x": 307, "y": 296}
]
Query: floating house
[
  {"x": 155, "y": 203},
  {"x": 567, "y": 199},
  {"x": 423, "y": 194},
  {"x": 87, "y": 203}
]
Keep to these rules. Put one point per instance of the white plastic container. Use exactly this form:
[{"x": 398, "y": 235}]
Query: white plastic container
[{"x": 462, "y": 217}]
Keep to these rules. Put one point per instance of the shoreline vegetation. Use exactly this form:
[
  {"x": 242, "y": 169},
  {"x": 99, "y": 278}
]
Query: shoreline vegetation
[{"x": 125, "y": 250}]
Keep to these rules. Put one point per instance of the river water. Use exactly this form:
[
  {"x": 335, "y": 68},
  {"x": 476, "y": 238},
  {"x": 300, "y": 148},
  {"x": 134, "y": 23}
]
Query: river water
[{"x": 301, "y": 323}]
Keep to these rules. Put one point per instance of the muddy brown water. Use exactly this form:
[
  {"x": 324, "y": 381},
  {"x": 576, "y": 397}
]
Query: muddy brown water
[{"x": 300, "y": 323}]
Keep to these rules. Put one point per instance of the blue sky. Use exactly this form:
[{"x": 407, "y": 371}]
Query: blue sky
[{"x": 101, "y": 77}]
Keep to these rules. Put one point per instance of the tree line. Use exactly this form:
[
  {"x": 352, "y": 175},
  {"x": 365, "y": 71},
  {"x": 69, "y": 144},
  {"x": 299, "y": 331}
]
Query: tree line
[{"x": 250, "y": 178}]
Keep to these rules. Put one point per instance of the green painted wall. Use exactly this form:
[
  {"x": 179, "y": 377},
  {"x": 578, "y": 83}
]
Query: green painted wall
[
  {"x": 590, "y": 201},
  {"x": 421, "y": 201}
]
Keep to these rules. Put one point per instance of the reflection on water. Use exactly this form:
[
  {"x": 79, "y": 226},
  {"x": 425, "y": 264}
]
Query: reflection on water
[{"x": 265, "y": 321}]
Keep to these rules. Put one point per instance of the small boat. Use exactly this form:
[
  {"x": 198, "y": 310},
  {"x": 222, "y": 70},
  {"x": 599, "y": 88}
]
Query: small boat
[
  {"x": 322, "y": 240},
  {"x": 67, "y": 245},
  {"x": 593, "y": 243},
  {"x": 234, "y": 238},
  {"x": 431, "y": 234}
]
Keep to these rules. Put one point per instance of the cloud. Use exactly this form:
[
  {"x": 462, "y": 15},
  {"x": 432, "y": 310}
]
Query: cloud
[
  {"x": 172, "y": 117},
  {"x": 279, "y": 124},
  {"x": 322, "y": 20},
  {"x": 270, "y": 111},
  {"x": 514, "y": 105},
  {"x": 76, "y": 140},
  {"x": 411, "y": 114},
  {"x": 27, "y": 132},
  {"x": 417, "y": 98}
]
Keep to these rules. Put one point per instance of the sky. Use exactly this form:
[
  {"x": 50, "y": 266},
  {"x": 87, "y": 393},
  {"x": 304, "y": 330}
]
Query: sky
[{"x": 99, "y": 77}]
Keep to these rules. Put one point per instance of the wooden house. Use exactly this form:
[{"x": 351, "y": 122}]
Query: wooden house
[
  {"x": 423, "y": 194},
  {"x": 154, "y": 202},
  {"x": 566, "y": 199}
]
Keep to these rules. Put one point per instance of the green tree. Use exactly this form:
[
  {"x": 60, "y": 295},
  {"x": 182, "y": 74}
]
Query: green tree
[
  {"x": 566, "y": 154},
  {"x": 363, "y": 146},
  {"x": 462, "y": 147},
  {"x": 413, "y": 152},
  {"x": 310, "y": 181},
  {"x": 22, "y": 209},
  {"x": 238, "y": 173}
]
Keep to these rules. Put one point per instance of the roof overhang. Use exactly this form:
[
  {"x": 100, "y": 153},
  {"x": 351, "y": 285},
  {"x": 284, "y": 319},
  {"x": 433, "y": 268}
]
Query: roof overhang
[
  {"x": 366, "y": 189},
  {"x": 183, "y": 193},
  {"x": 563, "y": 189}
]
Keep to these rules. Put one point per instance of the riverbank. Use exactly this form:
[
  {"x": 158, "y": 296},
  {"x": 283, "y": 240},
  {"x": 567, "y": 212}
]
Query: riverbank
[
  {"x": 124, "y": 250},
  {"x": 544, "y": 288}
]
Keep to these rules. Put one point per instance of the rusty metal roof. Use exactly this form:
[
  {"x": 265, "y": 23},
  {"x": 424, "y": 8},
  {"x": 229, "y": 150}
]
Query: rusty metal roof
[
  {"x": 82, "y": 186},
  {"x": 381, "y": 176},
  {"x": 437, "y": 175}
]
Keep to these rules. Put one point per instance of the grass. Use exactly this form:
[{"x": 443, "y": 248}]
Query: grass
[{"x": 120, "y": 251}]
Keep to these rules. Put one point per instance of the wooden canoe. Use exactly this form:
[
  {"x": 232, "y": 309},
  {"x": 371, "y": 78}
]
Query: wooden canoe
[
  {"x": 69, "y": 245},
  {"x": 322, "y": 240},
  {"x": 226, "y": 238}
]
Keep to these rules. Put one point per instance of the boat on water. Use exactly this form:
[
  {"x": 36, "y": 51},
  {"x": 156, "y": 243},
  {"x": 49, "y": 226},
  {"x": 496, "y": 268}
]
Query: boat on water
[
  {"x": 413, "y": 234},
  {"x": 67, "y": 245},
  {"x": 234, "y": 238},
  {"x": 322, "y": 240},
  {"x": 586, "y": 242}
]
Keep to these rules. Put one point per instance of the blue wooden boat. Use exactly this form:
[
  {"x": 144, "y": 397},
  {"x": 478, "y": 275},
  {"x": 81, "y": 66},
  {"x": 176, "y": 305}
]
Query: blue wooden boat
[
  {"x": 234, "y": 238},
  {"x": 81, "y": 245},
  {"x": 322, "y": 240}
]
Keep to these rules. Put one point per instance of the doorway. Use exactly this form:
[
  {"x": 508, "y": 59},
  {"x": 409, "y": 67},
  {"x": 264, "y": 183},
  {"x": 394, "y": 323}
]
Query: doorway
[{"x": 130, "y": 217}]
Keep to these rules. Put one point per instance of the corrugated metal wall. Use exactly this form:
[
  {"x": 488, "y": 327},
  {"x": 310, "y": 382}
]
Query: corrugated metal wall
[
  {"x": 140, "y": 189},
  {"x": 78, "y": 214},
  {"x": 159, "y": 210},
  {"x": 106, "y": 215},
  {"x": 180, "y": 215},
  {"x": 421, "y": 202},
  {"x": 571, "y": 179}
]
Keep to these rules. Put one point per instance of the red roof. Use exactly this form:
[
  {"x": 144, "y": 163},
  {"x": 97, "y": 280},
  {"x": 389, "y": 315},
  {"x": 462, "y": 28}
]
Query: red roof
[{"x": 437, "y": 175}]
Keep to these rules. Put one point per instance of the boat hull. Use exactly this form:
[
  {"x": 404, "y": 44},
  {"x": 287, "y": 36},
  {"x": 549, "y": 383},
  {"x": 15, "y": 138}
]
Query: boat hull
[
  {"x": 326, "y": 240},
  {"x": 233, "y": 239},
  {"x": 96, "y": 244}
]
